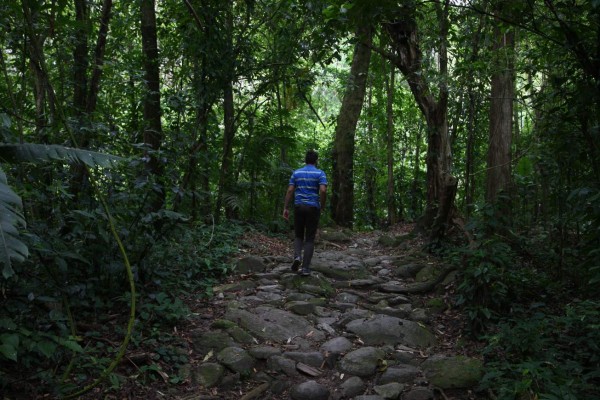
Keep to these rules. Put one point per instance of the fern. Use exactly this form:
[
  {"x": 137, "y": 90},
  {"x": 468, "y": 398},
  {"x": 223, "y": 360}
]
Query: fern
[
  {"x": 11, "y": 217},
  {"x": 11, "y": 247},
  {"x": 30, "y": 152}
]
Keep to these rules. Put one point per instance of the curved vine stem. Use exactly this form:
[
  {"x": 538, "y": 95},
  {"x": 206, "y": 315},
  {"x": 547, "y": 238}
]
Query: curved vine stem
[
  {"x": 113, "y": 230},
  {"x": 129, "y": 332}
]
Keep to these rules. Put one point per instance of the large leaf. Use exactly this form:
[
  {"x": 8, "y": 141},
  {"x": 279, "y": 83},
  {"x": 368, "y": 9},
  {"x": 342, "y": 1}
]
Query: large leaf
[
  {"x": 30, "y": 152},
  {"x": 11, "y": 247}
]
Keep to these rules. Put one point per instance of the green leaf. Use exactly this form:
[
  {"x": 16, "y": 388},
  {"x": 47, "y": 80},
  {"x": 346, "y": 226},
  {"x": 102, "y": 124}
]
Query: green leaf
[
  {"x": 11, "y": 247},
  {"x": 47, "y": 348},
  {"x": 71, "y": 345},
  {"x": 35, "y": 153},
  {"x": 8, "y": 351},
  {"x": 9, "y": 344}
]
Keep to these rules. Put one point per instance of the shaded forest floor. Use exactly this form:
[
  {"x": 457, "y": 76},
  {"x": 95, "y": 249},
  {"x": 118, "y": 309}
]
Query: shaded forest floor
[{"x": 278, "y": 286}]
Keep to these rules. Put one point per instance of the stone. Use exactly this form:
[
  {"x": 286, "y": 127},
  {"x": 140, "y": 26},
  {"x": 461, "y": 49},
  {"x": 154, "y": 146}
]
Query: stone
[
  {"x": 230, "y": 380},
  {"x": 344, "y": 297},
  {"x": 282, "y": 364},
  {"x": 215, "y": 340},
  {"x": 369, "y": 397},
  {"x": 263, "y": 352},
  {"x": 313, "y": 358},
  {"x": 335, "y": 236},
  {"x": 420, "y": 393},
  {"x": 250, "y": 264},
  {"x": 362, "y": 362},
  {"x": 352, "y": 386},
  {"x": 340, "y": 271},
  {"x": 402, "y": 373},
  {"x": 428, "y": 273},
  {"x": 279, "y": 386},
  {"x": 409, "y": 270},
  {"x": 383, "y": 329},
  {"x": 453, "y": 372},
  {"x": 337, "y": 345},
  {"x": 269, "y": 323},
  {"x": 208, "y": 374},
  {"x": 236, "y": 359},
  {"x": 309, "y": 390},
  {"x": 389, "y": 390},
  {"x": 235, "y": 286},
  {"x": 300, "y": 307}
]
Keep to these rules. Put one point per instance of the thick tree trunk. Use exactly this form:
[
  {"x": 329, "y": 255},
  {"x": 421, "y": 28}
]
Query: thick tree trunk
[
  {"x": 403, "y": 33},
  {"x": 342, "y": 199},
  {"x": 152, "y": 107},
  {"x": 501, "y": 117},
  {"x": 45, "y": 98}
]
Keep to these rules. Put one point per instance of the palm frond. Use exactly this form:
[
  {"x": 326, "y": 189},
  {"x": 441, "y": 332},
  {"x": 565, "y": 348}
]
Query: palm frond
[
  {"x": 11, "y": 217},
  {"x": 31, "y": 152}
]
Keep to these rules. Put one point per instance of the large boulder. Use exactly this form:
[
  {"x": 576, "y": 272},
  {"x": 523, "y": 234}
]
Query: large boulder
[
  {"x": 273, "y": 324},
  {"x": 453, "y": 372},
  {"x": 384, "y": 329},
  {"x": 362, "y": 362}
]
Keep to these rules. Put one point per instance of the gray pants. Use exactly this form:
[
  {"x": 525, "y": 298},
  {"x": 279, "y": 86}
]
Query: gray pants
[{"x": 306, "y": 221}]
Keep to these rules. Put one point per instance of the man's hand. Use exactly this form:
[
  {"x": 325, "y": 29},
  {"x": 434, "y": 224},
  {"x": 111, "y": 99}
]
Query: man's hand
[{"x": 286, "y": 214}]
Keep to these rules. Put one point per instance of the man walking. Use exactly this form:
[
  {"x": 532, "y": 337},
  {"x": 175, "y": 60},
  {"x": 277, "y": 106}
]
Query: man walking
[{"x": 309, "y": 187}]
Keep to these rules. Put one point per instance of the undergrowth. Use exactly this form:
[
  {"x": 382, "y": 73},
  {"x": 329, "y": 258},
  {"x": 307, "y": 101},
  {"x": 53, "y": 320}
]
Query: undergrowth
[
  {"x": 542, "y": 333},
  {"x": 63, "y": 316}
]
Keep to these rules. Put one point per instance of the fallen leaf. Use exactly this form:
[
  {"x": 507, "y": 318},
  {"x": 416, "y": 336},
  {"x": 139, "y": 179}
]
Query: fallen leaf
[{"x": 208, "y": 356}]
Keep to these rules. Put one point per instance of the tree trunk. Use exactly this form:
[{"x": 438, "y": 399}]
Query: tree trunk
[
  {"x": 501, "y": 116},
  {"x": 226, "y": 173},
  {"x": 80, "y": 59},
  {"x": 94, "y": 86},
  {"x": 342, "y": 199},
  {"x": 370, "y": 170},
  {"x": 152, "y": 108},
  {"x": 45, "y": 98},
  {"x": 470, "y": 153},
  {"x": 392, "y": 216},
  {"x": 403, "y": 33},
  {"x": 472, "y": 101}
]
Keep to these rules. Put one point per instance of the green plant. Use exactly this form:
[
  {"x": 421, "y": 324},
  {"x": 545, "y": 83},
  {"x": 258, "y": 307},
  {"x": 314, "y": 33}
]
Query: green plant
[
  {"x": 484, "y": 291},
  {"x": 538, "y": 355}
]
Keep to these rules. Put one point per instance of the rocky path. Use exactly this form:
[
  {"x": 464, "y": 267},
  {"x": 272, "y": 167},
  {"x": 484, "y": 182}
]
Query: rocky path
[{"x": 351, "y": 330}]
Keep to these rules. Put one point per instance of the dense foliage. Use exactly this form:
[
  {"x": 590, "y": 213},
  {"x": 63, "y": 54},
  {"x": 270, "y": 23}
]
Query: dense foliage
[{"x": 111, "y": 188}]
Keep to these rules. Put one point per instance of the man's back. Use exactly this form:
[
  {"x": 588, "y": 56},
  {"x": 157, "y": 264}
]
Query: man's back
[{"x": 307, "y": 181}]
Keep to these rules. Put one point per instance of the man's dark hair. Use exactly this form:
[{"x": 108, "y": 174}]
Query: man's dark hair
[{"x": 311, "y": 157}]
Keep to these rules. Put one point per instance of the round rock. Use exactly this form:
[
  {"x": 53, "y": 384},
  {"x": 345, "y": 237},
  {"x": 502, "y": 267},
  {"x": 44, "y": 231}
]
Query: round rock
[{"x": 309, "y": 390}]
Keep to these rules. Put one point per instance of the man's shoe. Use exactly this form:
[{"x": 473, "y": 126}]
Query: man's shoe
[
  {"x": 305, "y": 272},
  {"x": 296, "y": 264}
]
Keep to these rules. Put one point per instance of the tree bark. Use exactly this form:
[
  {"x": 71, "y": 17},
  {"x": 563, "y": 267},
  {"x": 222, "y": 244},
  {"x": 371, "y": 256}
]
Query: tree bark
[
  {"x": 94, "y": 86},
  {"x": 392, "y": 215},
  {"x": 403, "y": 32},
  {"x": 80, "y": 58},
  {"x": 152, "y": 107},
  {"x": 226, "y": 173},
  {"x": 501, "y": 116},
  {"x": 370, "y": 171},
  {"x": 342, "y": 199}
]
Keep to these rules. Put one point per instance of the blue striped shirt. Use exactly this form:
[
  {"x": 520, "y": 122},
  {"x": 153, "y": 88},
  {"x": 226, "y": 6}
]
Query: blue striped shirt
[{"x": 307, "y": 181}]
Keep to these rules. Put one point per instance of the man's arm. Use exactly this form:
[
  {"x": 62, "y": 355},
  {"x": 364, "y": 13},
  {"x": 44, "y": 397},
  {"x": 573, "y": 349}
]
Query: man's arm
[
  {"x": 288, "y": 197},
  {"x": 322, "y": 195}
]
